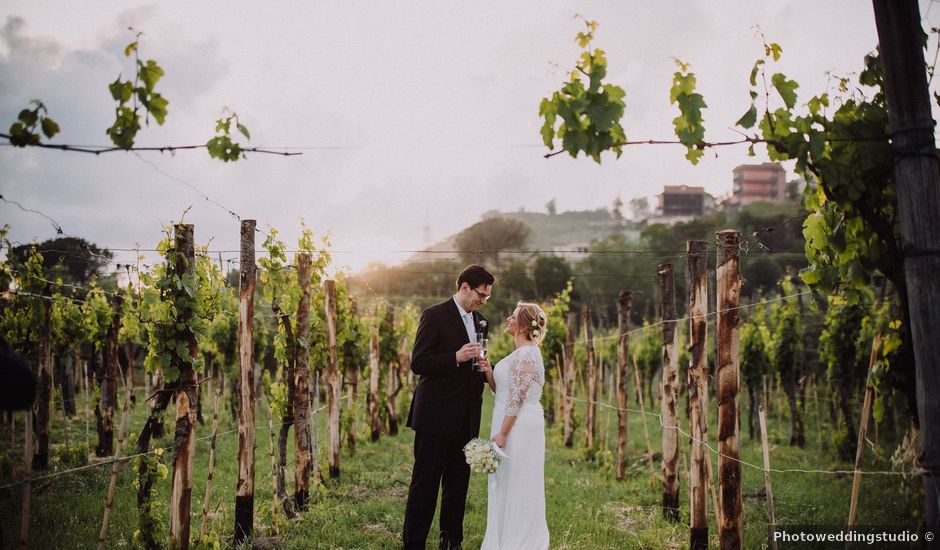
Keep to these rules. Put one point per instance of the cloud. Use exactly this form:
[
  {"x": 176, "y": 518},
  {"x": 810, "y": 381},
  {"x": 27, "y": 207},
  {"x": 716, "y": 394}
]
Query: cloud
[{"x": 42, "y": 52}]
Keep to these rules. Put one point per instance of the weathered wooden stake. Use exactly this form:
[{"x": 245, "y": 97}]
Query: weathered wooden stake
[
  {"x": 670, "y": 394},
  {"x": 115, "y": 468},
  {"x": 590, "y": 424},
  {"x": 374, "y": 382},
  {"x": 623, "y": 339},
  {"x": 334, "y": 388},
  {"x": 606, "y": 395},
  {"x": 27, "y": 480},
  {"x": 186, "y": 396},
  {"x": 302, "y": 458},
  {"x": 819, "y": 434},
  {"x": 917, "y": 174},
  {"x": 43, "y": 405},
  {"x": 274, "y": 469},
  {"x": 352, "y": 393},
  {"x": 245, "y": 484},
  {"x": 698, "y": 392},
  {"x": 770, "y": 493},
  {"x": 710, "y": 482},
  {"x": 646, "y": 430},
  {"x": 393, "y": 382},
  {"x": 730, "y": 532},
  {"x": 404, "y": 360},
  {"x": 87, "y": 412},
  {"x": 215, "y": 431},
  {"x": 863, "y": 430},
  {"x": 316, "y": 418},
  {"x": 568, "y": 367},
  {"x": 107, "y": 402}
]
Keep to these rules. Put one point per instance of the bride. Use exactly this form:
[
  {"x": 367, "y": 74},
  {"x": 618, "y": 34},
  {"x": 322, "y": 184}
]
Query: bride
[{"x": 515, "y": 512}]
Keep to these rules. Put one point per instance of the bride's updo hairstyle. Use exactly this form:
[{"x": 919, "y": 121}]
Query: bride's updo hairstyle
[{"x": 532, "y": 317}]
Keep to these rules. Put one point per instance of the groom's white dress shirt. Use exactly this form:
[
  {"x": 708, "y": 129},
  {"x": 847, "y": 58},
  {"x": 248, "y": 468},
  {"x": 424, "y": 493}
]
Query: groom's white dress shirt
[{"x": 467, "y": 318}]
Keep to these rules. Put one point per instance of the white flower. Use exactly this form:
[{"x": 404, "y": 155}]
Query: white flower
[
  {"x": 535, "y": 333},
  {"x": 542, "y": 315},
  {"x": 482, "y": 323},
  {"x": 481, "y": 456},
  {"x": 534, "y": 323}
]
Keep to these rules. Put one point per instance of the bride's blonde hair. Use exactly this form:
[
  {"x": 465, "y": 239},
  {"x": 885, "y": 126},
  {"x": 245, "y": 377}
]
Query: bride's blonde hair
[{"x": 533, "y": 318}]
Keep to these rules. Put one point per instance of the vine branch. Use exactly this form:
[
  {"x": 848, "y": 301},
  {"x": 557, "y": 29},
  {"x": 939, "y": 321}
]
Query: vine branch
[{"x": 163, "y": 149}]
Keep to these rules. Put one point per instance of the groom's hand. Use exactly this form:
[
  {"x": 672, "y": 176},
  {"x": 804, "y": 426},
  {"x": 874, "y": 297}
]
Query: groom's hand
[{"x": 468, "y": 352}]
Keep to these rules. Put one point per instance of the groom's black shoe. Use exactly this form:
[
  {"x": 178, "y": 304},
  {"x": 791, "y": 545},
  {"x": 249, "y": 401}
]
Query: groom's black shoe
[{"x": 448, "y": 544}]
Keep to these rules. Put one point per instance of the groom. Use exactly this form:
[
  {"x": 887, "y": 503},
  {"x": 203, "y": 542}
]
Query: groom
[{"x": 445, "y": 411}]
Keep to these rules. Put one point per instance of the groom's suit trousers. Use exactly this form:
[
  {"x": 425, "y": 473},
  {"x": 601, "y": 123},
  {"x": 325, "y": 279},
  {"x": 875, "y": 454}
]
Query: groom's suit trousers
[{"x": 439, "y": 462}]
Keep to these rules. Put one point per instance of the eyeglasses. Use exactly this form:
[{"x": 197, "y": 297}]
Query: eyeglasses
[{"x": 482, "y": 295}]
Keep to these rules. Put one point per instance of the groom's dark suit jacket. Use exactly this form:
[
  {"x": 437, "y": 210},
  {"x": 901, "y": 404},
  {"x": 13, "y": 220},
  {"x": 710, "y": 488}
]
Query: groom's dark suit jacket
[{"x": 449, "y": 396}]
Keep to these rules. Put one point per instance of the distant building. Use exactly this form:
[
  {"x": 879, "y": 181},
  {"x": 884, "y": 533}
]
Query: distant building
[
  {"x": 680, "y": 203},
  {"x": 758, "y": 182}
]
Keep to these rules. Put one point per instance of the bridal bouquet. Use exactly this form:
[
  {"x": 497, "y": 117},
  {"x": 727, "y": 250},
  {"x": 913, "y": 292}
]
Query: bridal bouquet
[{"x": 483, "y": 455}]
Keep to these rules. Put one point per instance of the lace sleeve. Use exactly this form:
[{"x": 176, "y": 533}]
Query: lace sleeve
[{"x": 522, "y": 371}]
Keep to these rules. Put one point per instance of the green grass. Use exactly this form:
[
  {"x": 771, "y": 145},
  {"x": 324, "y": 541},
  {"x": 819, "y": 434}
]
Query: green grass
[{"x": 586, "y": 506}]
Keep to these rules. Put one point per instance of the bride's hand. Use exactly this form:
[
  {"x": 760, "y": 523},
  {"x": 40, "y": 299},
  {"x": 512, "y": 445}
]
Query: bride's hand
[
  {"x": 484, "y": 366},
  {"x": 499, "y": 439}
]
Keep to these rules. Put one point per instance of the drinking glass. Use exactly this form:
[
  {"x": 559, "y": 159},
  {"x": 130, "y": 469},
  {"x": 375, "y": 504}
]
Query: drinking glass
[{"x": 476, "y": 360}]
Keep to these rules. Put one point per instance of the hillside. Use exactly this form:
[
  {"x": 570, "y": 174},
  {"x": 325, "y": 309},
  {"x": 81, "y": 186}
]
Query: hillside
[{"x": 564, "y": 230}]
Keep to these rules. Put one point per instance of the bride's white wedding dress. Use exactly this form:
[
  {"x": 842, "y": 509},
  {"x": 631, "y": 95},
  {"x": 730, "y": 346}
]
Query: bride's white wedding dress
[{"x": 515, "y": 509}]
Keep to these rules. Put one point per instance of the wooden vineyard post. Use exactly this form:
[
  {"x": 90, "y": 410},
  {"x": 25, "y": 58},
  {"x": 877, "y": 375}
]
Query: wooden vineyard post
[
  {"x": 107, "y": 402},
  {"x": 215, "y": 433},
  {"x": 302, "y": 455},
  {"x": 245, "y": 485},
  {"x": 646, "y": 430},
  {"x": 184, "y": 443},
  {"x": 316, "y": 417},
  {"x": 352, "y": 392},
  {"x": 569, "y": 369},
  {"x": 334, "y": 387},
  {"x": 770, "y": 493},
  {"x": 43, "y": 407},
  {"x": 863, "y": 430},
  {"x": 730, "y": 534},
  {"x": 590, "y": 424},
  {"x": 623, "y": 338},
  {"x": 698, "y": 392},
  {"x": 670, "y": 394},
  {"x": 819, "y": 433},
  {"x": 115, "y": 467},
  {"x": 393, "y": 382},
  {"x": 404, "y": 361},
  {"x": 374, "y": 382},
  {"x": 607, "y": 392},
  {"x": 27, "y": 480},
  {"x": 274, "y": 471},
  {"x": 917, "y": 174}
]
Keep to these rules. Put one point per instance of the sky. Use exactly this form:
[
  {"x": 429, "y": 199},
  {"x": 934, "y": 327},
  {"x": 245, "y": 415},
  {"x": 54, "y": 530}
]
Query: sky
[{"x": 414, "y": 118}]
